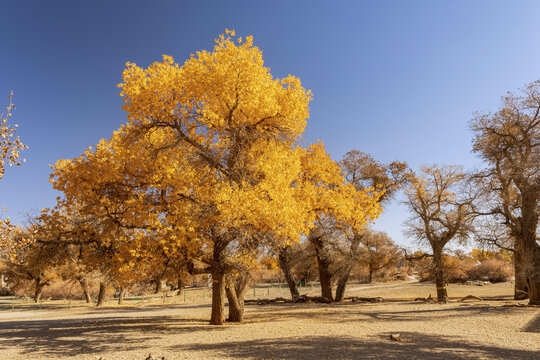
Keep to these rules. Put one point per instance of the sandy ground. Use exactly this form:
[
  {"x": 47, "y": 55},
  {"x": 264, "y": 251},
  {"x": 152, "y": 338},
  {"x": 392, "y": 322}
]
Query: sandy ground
[{"x": 492, "y": 329}]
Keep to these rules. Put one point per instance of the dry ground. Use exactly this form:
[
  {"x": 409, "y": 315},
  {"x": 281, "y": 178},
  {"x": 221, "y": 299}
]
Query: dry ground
[{"x": 178, "y": 330}]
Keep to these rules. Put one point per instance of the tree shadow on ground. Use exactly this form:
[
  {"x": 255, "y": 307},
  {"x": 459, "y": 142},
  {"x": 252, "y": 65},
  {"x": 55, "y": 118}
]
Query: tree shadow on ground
[
  {"x": 144, "y": 307},
  {"x": 335, "y": 313},
  {"x": 414, "y": 346},
  {"x": 80, "y": 336},
  {"x": 533, "y": 326},
  {"x": 92, "y": 309}
]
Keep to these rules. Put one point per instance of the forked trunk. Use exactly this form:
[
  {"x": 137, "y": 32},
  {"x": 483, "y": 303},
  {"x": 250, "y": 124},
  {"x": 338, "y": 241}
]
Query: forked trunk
[
  {"x": 325, "y": 277},
  {"x": 101, "y": 294},
  {"x": 236, "y": 290},
  {"x": 218, "y": 305},
  {"x": 286, "y": 268},
  {"x": 344, "y": 276},
  {"x": 442, "y": 294}
]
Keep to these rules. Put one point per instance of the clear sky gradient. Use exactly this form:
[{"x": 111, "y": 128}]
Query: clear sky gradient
[{"x": 397, "y": 79}]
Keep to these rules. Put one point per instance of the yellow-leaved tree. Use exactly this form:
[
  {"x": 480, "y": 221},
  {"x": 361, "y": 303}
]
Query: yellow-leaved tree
[
  {"x": 237, "y": 127},
  {"x": 208, "y": 166},
  {"x": 10, "y": 148}
]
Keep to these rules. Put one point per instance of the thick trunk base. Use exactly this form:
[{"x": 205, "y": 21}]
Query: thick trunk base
[
  {"x": 236, "y": 289},
  {"x": 534, "y": 280},
  {"x": 442, "y": 293},
  {"x": 323, "y": 262},
  {"x": 218, "y": 305}
]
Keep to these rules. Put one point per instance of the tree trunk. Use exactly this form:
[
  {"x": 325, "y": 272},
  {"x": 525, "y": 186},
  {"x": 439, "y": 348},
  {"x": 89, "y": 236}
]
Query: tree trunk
[
  {"x": 323, "y": 262},
  {"x": 179, "y": 287},
  {"x": 370, "y": 278},
  {"x": 534, "y": 280},
  {"x": 158, "y": 286},
  {"x": 101, "y": 294},
  {"x": 344, "y": 276},
  {"x": 121, "y": 296},
  {"x": 84, "y": 285},
  {"x": 442, "y": 294},
  {"x": 38, "y": 290},
  {"x": 531, "y": 250},
  {"x": 218, "y": 305},
  {"x": 236, "y": 289},
  {"x": 286, "y": 268},
  {"x": 520, "y": 283},
  {"x": 342, "y": 284}
]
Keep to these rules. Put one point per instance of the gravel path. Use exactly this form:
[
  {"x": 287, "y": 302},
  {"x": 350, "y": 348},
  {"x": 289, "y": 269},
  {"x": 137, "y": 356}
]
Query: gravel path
[{"x": 457, "y": 330}]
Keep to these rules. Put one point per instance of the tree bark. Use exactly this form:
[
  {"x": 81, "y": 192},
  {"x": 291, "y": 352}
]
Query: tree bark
[
  {"x": 287, "y": 272},
  {"x": 236, "y": 289},
  {"x": 342, "y": 285},
  {"x": 370, "y": 278},
  {"x": 101, "y": 294},
  {"x": 158, "y": 286},
  {"x": 84, "y": 285},
  {"x": 38, "y": 290},
  {"x": 531, "y": 264},
  {"x": 344, "y": 276},
  {"x": 179, "y": 287},
  {"x": 531, "y": 250},
  {"x": 534, "y": 280},
  {"x": 323, "y": 262},
  {"x": 442, "y": 294},
  {"x": 218, "y": 290},
  {"x": 121, "y": 296},
  {"x": 520, "y": 283}
]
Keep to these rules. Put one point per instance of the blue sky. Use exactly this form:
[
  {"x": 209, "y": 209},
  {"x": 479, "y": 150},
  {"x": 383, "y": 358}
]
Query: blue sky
[{"x": 397, "y": 79}]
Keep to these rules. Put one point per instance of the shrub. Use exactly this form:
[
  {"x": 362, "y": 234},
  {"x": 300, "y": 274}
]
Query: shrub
[
  {"x": 455, "y": 269},
  {"x": 492, "y": 270}
]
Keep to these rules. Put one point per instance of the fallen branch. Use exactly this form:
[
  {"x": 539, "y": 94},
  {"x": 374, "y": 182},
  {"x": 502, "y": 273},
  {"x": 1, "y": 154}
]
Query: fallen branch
[
  {"x": 365, "y": 299},
  {"x": 428, "y": 299},
  {"x": 471, "y": 297},
  {"x": 268, "y": 301}
]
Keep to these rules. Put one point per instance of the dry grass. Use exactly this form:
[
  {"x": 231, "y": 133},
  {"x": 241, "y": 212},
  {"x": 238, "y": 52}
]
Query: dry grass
[{"x": 457, "y": 330}]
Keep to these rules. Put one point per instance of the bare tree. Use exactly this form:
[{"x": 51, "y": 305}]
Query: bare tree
[
  {"x": 509, "y": 143},
  {"x": 441, "y": 210},
  {"x": 378, "y": 251},
  {"x": 365, "y": 172}
]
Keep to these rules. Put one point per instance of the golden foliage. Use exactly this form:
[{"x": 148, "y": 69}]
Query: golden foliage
[{"x": 207, "y": 165}]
